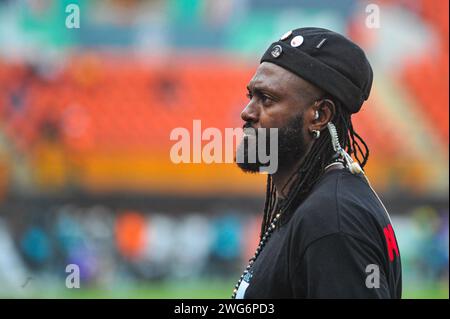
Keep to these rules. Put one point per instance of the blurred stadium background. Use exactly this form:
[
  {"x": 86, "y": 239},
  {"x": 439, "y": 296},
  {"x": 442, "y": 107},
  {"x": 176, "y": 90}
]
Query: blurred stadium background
[{"x": 85, "y": 118}]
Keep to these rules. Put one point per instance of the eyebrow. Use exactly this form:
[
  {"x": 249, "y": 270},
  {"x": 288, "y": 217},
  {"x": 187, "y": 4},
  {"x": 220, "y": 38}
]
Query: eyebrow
[{"x": 261, "y": 89}]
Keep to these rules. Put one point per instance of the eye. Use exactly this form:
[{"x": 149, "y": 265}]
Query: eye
[
  {"x": 265, "y": 99},
  {"x": 261, "y": 97}
]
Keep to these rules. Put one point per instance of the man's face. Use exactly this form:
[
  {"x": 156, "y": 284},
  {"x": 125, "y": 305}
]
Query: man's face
[{"x": 278, "y": 99}]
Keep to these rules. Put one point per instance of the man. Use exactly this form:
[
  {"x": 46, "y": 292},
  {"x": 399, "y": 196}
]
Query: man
[{"x": 325, "y": 232}]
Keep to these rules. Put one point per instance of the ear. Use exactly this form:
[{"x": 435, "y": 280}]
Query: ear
[{"x": 325, "y": 109}]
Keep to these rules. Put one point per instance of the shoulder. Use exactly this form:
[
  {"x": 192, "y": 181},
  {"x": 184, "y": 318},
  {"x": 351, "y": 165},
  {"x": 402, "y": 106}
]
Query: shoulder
[{"x": 339, "y": 203}]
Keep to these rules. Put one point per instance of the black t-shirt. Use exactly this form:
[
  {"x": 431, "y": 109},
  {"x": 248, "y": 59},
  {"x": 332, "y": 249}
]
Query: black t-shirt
[{"x": 339, "y": 243}]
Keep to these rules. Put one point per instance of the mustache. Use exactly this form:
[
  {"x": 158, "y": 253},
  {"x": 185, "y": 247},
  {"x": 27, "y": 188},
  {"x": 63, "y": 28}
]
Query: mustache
[
  {"x": 248, "y": 129},
  {"x": 247, "y": 125}
]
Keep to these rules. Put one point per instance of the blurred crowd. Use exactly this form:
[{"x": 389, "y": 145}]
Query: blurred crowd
[
  {"x": 115, "y": 246},
  {"x": 125, "y": 245}
]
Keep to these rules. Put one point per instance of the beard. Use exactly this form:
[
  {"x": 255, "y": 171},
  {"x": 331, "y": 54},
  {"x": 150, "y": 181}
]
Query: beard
[{"x": 291, "y": 145}]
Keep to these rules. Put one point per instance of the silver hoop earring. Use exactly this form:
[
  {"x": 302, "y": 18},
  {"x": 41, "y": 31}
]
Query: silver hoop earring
[{"x": 316, "y": 134}]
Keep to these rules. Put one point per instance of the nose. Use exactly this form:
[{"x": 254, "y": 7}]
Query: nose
[{"x": 250, "y": 113}]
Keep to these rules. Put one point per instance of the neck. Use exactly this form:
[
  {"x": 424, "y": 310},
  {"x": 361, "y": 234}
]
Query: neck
[
  {"x": 282, "y": 178},
  {"x": 279, "y": 182}
]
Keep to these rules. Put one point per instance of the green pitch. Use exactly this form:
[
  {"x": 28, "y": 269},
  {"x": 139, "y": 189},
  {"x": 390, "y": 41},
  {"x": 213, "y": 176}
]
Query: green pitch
[{"x": 182, "y": 289}]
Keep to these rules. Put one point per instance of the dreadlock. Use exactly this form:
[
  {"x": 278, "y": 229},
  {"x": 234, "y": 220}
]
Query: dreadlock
[{"x": 312, "y": 168}]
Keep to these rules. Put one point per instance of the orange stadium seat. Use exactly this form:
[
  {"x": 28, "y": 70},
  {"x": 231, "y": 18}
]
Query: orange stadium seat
[
  {"x": 432, "y": 93},
  {"x": 128, "y": 107}
]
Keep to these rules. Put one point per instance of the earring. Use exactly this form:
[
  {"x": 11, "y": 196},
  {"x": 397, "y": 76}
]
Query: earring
[
  {"x": 316, "y": 115},
  {"x": 316, "y": 134}
]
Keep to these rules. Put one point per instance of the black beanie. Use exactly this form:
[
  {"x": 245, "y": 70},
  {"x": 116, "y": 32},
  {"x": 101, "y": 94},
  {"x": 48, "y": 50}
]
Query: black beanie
[{"x": 328, "y": 60}]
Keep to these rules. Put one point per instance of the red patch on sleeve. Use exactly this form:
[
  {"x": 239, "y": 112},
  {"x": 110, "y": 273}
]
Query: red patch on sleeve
[{"x": 391, "y": 242}]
